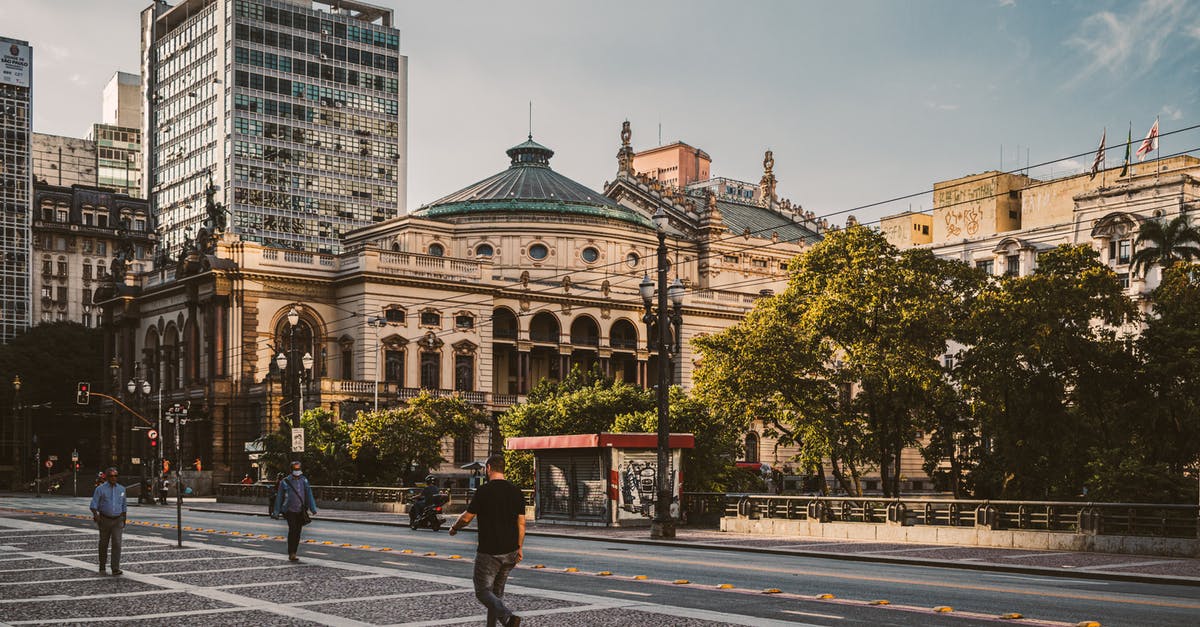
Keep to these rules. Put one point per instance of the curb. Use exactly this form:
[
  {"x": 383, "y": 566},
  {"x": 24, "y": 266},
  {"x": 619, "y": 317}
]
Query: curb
[{"x": 849, "y": 557}]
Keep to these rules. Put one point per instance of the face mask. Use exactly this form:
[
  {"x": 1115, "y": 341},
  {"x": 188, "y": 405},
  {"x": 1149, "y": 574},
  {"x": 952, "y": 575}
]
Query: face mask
[{"x": 297, "y": 473}]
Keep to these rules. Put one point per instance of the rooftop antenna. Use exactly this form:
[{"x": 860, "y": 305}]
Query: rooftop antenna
[{"x": 530, "y": 119}]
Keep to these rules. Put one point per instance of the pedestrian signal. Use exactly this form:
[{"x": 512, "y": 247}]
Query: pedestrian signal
[{"x": 82, "y": 393}]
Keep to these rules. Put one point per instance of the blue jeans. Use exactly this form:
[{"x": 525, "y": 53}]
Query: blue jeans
[{"x": 491, "y": 573}]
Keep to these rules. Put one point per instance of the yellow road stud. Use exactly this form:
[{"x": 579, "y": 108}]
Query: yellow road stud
[
  {"x": 455, "y": 557},
  {"x": 880, "y": 602},
  {"x": 605, "y": 573},
  {"x": 364, "y": 546},
  {"x": 826, "y": 596},
  {"x": 680, "y": 582},
  {"x": 1012, "y": 616},
  {"x": 572, "y": 569},
  {"x": 1087, "y": 623},
  {"x": 639, "y": 577},
  {"x": 772, "y": 591},
  {"x": 725, "y": 586},
  {"x": 406, "y": 551},
  {"x": 942, "y": 609},
  {"x": 386, "y": 548},
  {"x": 326, "y": 542},
  {"x": 347, "y": 544},
  {"x": 431, "y": 554},
  {"x": 538, "y": 566}
]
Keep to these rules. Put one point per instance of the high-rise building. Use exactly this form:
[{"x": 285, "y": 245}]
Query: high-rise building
[
  {"x": 16, "y": 131},
  {"x": 118, "y": 136},
  {"x": 298, "y": 109}
]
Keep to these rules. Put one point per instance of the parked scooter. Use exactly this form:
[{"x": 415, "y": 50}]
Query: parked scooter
[{"x": 427, "y": 515}]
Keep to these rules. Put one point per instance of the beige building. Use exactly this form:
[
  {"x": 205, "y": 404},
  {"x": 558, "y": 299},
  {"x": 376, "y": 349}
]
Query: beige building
[
  {"x": 512, "y": 280},
  {"x": 677, "y": 164}
]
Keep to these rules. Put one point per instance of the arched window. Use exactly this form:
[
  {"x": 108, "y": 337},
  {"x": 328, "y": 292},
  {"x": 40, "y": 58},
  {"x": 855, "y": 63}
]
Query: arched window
[
  {"x": 504, "y": 324},
  {"x": 623, "y": 335},
  {"x": 751, "y": 445},
  {"x": 585, "y": 332},
  {"x": 437, "y": 250},
  {"x": 544, "y": 328},
  {"x": 431, "y": 368},
  {"x": 484, "y": 250}
]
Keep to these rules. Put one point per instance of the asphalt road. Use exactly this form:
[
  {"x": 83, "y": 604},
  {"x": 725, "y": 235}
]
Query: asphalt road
[{"x": 858, "y": 588}]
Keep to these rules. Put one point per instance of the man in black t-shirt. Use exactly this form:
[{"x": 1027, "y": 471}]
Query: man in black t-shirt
[{"x": 500, "y": 507}]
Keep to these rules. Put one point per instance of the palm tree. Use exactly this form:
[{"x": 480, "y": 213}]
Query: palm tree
[{"x": 1159, "y": 245}]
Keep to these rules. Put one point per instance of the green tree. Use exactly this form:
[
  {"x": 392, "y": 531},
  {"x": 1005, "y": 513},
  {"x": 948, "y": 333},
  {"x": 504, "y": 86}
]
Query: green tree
[
  {"x": 326, "y": 455},
  {"x": 1164, "y": 428},
  {"x": 583, "y": 402},
  {"x": 1042, "y": 349},
  {"x": 1162, "y": 245},
  {"x": 854, "y": 346},
  {"x": 391, "y": 442}
]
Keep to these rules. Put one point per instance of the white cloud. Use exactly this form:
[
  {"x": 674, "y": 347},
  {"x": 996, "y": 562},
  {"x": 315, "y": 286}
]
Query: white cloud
[
  {"x": 1172, "y": 113},
  {"x": 1131, "y": 42},
  {"x": 1008, "y": 3}
]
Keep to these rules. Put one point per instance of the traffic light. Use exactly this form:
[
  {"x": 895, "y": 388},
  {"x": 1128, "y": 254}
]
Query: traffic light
[
  {"x": 82, "y": 393},
  {"x": 153, "y": 436}
]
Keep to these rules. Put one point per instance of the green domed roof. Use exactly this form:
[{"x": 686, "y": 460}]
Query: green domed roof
[{"x": 530, "y": 186}]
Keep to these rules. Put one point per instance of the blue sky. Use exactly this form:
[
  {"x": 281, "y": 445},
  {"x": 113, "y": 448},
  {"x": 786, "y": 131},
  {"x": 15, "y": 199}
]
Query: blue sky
[{"x": 860, "y": 101}]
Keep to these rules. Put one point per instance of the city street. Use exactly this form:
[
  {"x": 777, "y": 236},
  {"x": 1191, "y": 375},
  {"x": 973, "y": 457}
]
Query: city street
[{"x": 232, "y": 571}]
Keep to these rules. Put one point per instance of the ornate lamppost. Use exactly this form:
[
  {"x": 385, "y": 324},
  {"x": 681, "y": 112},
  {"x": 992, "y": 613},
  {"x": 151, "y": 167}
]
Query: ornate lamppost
[
  {"x": 663, "y": 325},
  {"x": 298, "y": 374},
  {"x": 139, "y": 389}
]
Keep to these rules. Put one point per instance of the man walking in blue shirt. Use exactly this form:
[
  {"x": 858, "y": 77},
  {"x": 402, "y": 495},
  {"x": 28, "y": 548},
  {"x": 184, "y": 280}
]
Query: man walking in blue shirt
[
  {"x": 294, "y": 502},
  {"x": 109, "y": 511}
]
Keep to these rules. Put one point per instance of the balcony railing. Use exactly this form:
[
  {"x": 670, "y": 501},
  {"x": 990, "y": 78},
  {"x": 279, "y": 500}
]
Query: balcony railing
[{"x": 389, "y": 390}]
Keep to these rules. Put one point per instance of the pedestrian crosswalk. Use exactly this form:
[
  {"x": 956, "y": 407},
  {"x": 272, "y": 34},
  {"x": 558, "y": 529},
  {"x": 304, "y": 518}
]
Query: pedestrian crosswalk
[{"x": 48, "y": 576}]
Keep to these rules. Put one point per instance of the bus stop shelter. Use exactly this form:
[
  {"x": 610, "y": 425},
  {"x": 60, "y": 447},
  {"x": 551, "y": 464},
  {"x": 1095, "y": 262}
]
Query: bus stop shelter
[{"x": 603, "y": 479}]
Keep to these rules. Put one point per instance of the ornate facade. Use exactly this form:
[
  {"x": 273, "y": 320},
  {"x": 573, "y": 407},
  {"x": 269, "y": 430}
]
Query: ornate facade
[{"x": 483, "y": 293}]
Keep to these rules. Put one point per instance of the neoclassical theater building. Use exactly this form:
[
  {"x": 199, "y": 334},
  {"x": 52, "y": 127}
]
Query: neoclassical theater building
[{"x": 511, "y": 280}]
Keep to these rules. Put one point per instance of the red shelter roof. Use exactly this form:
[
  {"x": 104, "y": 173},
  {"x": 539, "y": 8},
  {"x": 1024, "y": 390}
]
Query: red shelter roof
[{"x": 597, "y": 440}]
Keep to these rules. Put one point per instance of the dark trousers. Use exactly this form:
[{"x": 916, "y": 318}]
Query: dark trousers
[
  {"x": 491, "y": 573},
  {"x": 111, "y": 530},
  {"x": 162, "y": 497},
  {"x": 295, "y": 521}
]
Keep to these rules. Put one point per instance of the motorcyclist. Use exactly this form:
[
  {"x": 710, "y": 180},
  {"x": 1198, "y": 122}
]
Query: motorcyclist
[{"x": 429, "y": 496}]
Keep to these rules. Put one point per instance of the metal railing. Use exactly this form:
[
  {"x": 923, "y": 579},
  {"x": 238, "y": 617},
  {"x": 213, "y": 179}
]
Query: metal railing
[{"x": 1133, "y": 519}]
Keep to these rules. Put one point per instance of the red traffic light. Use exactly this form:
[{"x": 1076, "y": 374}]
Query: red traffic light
[{"x": 82, "y": 393}]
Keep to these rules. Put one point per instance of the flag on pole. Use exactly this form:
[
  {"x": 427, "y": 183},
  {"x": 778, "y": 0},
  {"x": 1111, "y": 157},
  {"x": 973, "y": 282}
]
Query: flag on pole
[
  {"x": 1099, "y": 156},
  {"x": 1128, "y": 149},
  {"x": 1150, "y": 143}
]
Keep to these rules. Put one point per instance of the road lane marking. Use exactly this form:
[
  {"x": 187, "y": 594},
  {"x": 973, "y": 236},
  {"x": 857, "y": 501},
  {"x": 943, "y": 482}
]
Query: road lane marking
[
  {"x": 1043, "y": 579},
  {"x": 396, "y": 563},
  {"x": 814, "y": 614},
  {"x": 631, "y": 592},
  {"x": 384, "y": 597}
]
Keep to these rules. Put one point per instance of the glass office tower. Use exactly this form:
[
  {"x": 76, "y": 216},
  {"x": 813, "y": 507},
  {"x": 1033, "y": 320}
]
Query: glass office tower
[
  {"x": 16, "y": 136},
  {"x": 298, "y": 109}
]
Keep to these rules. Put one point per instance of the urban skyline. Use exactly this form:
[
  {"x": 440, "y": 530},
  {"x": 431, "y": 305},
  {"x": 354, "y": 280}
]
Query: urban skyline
[{"x": 831, "y": 90}]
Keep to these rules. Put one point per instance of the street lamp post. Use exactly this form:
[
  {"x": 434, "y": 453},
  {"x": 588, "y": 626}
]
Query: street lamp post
[
  {"x": 299, "y": 372},
  {"x": 669, "y": 321},
  {"x": 15, "y": 442},
  {"x": 377, "y": 323},
  {"x": 139, "y": 389}
]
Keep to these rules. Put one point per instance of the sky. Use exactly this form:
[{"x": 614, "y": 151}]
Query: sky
[{"x": 860, "y": 102}]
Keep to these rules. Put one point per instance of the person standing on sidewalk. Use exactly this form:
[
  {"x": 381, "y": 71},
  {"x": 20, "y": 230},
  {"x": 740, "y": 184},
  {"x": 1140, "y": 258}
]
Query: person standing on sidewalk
[
  {"x": 500, "y": 507},
  {"x": 109, "y": 510},
  {"x": 294, "y": 502},
  {"x": 164, "y": 486}
]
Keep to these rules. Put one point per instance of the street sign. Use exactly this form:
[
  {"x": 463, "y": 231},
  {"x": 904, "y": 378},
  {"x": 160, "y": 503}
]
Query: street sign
[
  {"x": 53, "y": 458},
  {"x": 136, "y": 461},
  {"x": 152, "y": 434},
  {"x": 74, "y": 456},
  {"x": 297, "y": 439},
  {"x": 49, "y": 464}
]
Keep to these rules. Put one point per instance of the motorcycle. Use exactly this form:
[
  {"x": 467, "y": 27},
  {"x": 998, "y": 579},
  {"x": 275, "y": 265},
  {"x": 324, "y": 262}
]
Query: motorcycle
[{"x": 427, "y": 515}]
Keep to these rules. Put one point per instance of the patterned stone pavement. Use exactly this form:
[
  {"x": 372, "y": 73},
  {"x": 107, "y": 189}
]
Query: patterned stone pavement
[{"x": 48, "y": 577}]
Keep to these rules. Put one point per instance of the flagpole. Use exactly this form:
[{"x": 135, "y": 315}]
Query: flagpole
[{"x": 1157, "y": 144}]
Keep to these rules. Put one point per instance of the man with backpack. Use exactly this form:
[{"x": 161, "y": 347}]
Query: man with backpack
[{"x": 294, "y": 502}]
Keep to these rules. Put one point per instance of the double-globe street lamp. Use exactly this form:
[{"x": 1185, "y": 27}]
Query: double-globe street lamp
[
  {"x": 665, "y": 323},
  {"x": 140, "y": 389},
  {"x": 296, "y": 376}
]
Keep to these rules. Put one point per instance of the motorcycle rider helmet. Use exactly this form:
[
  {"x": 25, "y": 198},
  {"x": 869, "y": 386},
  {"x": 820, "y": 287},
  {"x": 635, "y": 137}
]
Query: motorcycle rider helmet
[{"x": 430, "y": 479}]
